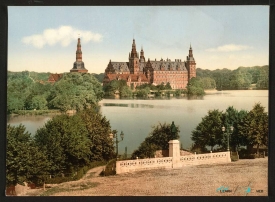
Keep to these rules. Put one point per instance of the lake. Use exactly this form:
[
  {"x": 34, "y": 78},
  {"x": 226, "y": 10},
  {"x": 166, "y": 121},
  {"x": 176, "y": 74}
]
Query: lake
[{"x": 136, "y": 117}]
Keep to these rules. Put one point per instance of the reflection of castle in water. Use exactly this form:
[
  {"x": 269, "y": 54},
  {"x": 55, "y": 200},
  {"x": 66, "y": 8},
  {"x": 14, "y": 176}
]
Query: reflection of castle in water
[{"x": 128, "y": 105}]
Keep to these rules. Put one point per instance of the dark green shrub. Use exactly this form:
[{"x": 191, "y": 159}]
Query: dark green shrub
[{"x": 110, "y": 168}]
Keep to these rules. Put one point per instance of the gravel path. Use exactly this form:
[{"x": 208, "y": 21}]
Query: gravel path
[{"x": 241, "y": 178}]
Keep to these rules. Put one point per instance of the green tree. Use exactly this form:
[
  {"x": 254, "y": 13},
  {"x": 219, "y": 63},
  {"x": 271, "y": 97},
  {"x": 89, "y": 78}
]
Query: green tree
[
  {"x": 125, "y": 91},
  {"x": 143, "y": 92},
  {"x": 168, "y": 86},
  {"x": 254, "y": 127},
  {"x": 25, "y": 162},
  {"x": 207, "y": 82},
  {"x": 99, "y": 129},
  {"x": 117, "y": 85},
  {"x": 158, "y": 138},
  {"x": 208, "y": 132},
  {"x": 75, "y": 91},
  {"x": 65, "y": 140},
  {"x": 233, "y": 117},
  {"x": 195, "y": 87}
]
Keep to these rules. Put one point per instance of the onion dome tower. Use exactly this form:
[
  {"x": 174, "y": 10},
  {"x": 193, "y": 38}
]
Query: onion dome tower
[{"x": 79, "y": 64}]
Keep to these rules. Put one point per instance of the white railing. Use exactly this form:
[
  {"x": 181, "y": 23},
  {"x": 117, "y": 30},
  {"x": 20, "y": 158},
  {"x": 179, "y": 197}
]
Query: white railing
[
  {"x": 196, "y": 159},
  {"x": 167, "y": 162},
  {"x": 143, "y": 164}
]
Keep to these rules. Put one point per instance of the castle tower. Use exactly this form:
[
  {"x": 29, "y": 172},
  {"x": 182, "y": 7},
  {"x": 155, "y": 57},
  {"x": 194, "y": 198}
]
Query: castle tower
[
  {"x": 134, "y": 60},
  {"x": 79, "y": 64},
  {"x": 142, "y": 58},
  {"x": 191, "y": 64}
]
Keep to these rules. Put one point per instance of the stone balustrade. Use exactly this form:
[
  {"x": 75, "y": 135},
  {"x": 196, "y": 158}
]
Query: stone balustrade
[
  {"x": 211, "y": 158},
  {"x": 143, "y": 164},
  {"x": 173, "y": 161}
]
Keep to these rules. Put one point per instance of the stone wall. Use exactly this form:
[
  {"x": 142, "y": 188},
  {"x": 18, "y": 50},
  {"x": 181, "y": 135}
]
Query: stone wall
[
  {"x": 167, "y": 162},
  {"x": 143, "y": 164},
  {"x": 175, "y": 160}
]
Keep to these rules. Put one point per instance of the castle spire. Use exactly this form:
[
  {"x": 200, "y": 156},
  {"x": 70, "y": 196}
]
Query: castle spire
[
  {"x": 78, "y": 51},
  {"x": 190, "y": 52},
  {"x": 134, "y": 51},
  {"x": 78, "y": 64},
  {"x": 142, "y": 58}
]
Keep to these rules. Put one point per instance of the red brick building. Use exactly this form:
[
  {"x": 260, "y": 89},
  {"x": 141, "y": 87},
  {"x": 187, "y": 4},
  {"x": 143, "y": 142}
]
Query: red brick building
[{"x": 137, "y": 71}]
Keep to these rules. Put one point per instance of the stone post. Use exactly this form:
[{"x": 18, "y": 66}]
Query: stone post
[
  {"x": 228, "y": 156},
  {"x": 174, "y": 152}
]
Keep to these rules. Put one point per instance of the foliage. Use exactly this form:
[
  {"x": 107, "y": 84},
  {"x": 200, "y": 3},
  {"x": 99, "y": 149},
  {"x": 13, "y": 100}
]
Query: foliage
[
  {"x": 17, "y": 91},
  {"x": 254, "y": 127},
  {"x": 99, "y": 129},
  {"x": 117, "y": 85},
  {"x": 110, "y": 168},
  {"x": 208, "y": 132},
  {"x": 240, "y": 78},
  {"x": 157, "y": 139},
  {"x": 25, "y": 91},
  {"x": 75, "y": 91},
  {"x": 207, "y": 83},
  {"x": 99, "y": 77},
  {"x": 195, "y": 87},
  {"x": 24, "y": 161},
  {"x": 65, "y": 142},
  {"x": 143, "y": 92},
  {"x": 249, "y": 129}
]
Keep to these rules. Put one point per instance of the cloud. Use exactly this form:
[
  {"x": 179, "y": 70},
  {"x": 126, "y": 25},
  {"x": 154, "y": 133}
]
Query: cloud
[
  {"x": 63, "y": 35},
  {"x": 229, "y": 48}
]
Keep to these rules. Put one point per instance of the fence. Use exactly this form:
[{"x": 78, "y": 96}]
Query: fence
[{"x": 174, "y": 161}]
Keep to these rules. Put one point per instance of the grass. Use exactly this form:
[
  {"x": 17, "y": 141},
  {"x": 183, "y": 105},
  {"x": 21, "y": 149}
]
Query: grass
[{"x": 72, "y": 187}]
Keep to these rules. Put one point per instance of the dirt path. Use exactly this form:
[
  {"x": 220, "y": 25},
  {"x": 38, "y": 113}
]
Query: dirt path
[
  {"x": 244, "y": 177},
  {"x": 92, "y": 173}
]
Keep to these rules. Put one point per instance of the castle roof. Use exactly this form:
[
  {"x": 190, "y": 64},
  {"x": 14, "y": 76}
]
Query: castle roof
[
  {"x": 132, "y": 77},
  {"x": 54, "y": 77},
  {"x": 169, "y": 65},
  {"x": 121, "y": 66}
]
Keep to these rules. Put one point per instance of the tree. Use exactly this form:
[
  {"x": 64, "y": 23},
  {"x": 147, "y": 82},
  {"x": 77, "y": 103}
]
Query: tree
[
  {"x": 254, "y": 127},
  {"x": 65, "y": 142},
  {"x": 143, "y": 92},
  {"x": 117, "y": 85},
  {"x": 233, "y": 117},
  {"x": 158, "y": 138},
  {"x": 208, "y": 132},
  {"x": 125, "y": 91},
  {"x": 25, "y": 162},
  {"x": 99, "y": 129},
  {"x": 195, "y": 87},
  {"x": 207, "y": 82},
  {"x": 168, "y": 86},
  {"x": 75, "y": 91}
]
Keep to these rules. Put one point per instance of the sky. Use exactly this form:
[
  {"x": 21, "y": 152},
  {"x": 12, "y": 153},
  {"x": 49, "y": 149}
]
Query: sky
[{"x": 44, "y": 39}]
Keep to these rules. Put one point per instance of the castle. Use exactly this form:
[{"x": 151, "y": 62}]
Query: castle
[{"x": 137, "y": 71}]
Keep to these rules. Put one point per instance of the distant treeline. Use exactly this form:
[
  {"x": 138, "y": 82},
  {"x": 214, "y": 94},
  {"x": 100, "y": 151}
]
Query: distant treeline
[
  {"x": 29, "y": 91},
  {"x": 237, "y": 79}
]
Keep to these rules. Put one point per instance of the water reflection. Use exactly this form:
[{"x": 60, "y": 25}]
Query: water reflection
[{"x": 132, "y": 105}]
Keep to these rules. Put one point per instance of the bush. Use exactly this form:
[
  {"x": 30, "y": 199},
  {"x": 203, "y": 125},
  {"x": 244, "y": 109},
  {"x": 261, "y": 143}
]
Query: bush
[
  {"x": 245, "y": 154},
  {"x": 110, "y": 168}
]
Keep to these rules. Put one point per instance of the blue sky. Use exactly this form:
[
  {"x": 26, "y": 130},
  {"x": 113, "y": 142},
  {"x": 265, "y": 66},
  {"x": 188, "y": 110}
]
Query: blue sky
[{"x": 43, "y": 39}]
